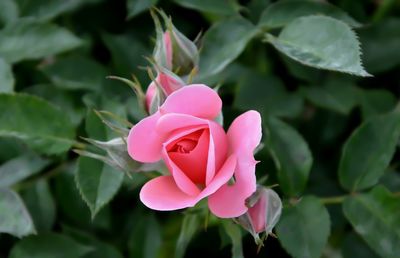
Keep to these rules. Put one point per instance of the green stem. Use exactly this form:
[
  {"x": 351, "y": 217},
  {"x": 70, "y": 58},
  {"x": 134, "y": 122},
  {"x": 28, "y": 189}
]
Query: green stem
[
  {"x": 79, "y": 145},
  {"x": 47, "y": 175},
  {"x": 383, "y": 9},
  {"x": 333, "y": 199},
  {"x": 339, "y": 199}
]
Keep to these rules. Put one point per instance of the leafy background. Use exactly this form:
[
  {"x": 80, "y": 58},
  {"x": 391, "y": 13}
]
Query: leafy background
[{"x": 330, "y": 130}]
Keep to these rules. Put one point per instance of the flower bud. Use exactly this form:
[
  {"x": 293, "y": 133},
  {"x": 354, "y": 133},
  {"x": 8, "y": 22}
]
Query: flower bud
[
  {"x": 165, "y": 83},
  {"x": 174, "y": 51},
  {"x": 116, "y": 155},
  {"x": 265, "y": 208}
]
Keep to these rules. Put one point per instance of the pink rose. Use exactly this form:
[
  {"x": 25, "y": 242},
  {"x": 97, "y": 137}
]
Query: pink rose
[
  {"x": 200, "y": 156},
  {"x": 168, "y": 84}
]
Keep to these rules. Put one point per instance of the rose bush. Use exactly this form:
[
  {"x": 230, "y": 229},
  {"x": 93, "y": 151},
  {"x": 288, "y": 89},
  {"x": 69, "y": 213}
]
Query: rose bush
[
  {"x": 200, "y": 156},
  {"x": 330, "y": 139}
]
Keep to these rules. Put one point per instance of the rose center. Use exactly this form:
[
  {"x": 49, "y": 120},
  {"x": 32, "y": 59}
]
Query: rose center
[
  {"x": 190, "y": 154},
  {"x": 184, "y": 146}
]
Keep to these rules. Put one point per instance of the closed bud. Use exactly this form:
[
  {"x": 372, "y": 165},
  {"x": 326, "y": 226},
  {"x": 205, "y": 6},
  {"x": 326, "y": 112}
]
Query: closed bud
[
  {"x": 116, "y": 155},
  {"x": 173, "y": 50},
  {"x": 264, "y": 211},
  {"x": 164, "y": 84}
]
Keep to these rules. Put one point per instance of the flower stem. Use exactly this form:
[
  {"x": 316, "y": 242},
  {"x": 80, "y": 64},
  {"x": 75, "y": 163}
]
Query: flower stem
[{"x": 333, "y": 199}]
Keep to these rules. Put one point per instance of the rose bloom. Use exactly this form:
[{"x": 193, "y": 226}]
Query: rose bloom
[{"x": 200, "y": 156}]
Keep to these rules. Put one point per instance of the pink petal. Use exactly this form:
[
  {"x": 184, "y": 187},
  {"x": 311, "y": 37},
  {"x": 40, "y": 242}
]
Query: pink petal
[
  {"x": 218, "y": 150},
  {"x": 210, "y": 167},
  {"x": 161, "y": 193},
  {"x": 150, "y": 94},
  {"x": 197, "y": 100},
  {"x": 168, "y": 83},
  {"x": 168, "y": 49},
  {"x": 182, "y": 181},
  {"x": 244, "y": 135},
  {"x": 144, "y": 143},
  {"x": 258, "y": 214},
  {"x": 222, "y": 177},
  {"x": 173, "y": 121},
  {"x": 229, "y": 200}
]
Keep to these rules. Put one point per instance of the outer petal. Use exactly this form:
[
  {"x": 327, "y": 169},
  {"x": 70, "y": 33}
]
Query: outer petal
[
  {"x": 222, "y": 177},
  {"x": 197, "y": 100},
  {"x": 161, "y": 193},
  {"x": 229, "y": 200},
  {"x": 173, "y": 121},
  {"x": 218, "y": 150},
  {"x": 244, "y": 135},
  {"x": 144, "y": 143}
]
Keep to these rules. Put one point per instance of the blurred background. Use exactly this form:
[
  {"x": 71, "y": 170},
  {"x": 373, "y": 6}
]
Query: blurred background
[{"x": 61, "y": 51}]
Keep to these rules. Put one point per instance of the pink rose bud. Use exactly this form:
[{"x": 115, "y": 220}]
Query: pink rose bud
[
  {"x": 173, "y": 50},
  {"x": 200, "y": 156},
  {"x": 165, "y": 83},
  {"x": 265, "y": 208}
]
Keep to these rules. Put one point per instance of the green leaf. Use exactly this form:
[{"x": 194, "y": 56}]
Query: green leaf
[
  {"x": 146, "y": 237},
  {"x": 40, "y": 204},
  {"x": 223, "y": 43},
  {"x": 97, "y": 182},
  {"x": 101, "y": 249},
  {"x": 10, "y": 148},
  {"x": 291, "y": 155},
  {"x": 63, "y": 73},
  {"x": 391, "y": 180},
  {"x": 267, "y": 95},
  {"x": 68, "y": 101},
  {"x": 14, "y": 218},
  {"x": 234, "y": 233},
  {"x": 9, "y": 11},
  {"x": 376, "y": 101},
  {"x": 361, "y": 165},
  {"x": 190, "y": 224},
  {"x": 336, "y": 95},
  {"x": 28, "y": 39},
  {"x": 282, "y": 13},
  {"x": 303, "y": 229},
  {"x": 354, "y": 246},
  {"x": 321, "y": 42},
  {"x": 6, "y": 77},
  {"x": 302, "y": 72},
  {"x": 70, "y": 205},
  {"x": 375, "y": 217},
  {"x": 48, "y": 245},
  {"x": 40, "y": 124},
  {"x": 43, "y": 10},
  {"x": 380, "y": 44},
  {"x": 256, "y": 9},
  {"x": 19, "y": 168},
  {"x": 225, "y": 7},
  {"x": 136, "y": 7},
  {"x": 126, "y": 59}
]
